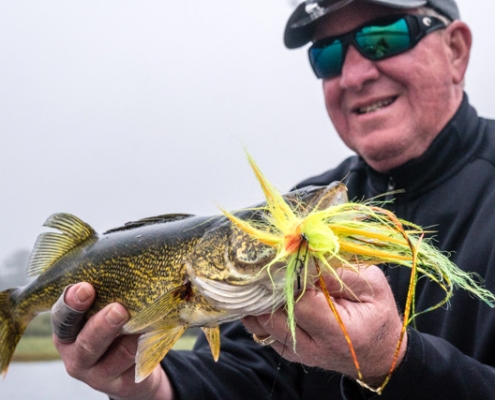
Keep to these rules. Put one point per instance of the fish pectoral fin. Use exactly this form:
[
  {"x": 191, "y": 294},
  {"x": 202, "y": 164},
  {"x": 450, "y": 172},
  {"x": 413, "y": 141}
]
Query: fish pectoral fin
[
  {"x": 153, "y": 346},
  {"x": 158, "y": 310},
  {"x": 51, "y": 246},
  {"x": 213, "y": 337}
]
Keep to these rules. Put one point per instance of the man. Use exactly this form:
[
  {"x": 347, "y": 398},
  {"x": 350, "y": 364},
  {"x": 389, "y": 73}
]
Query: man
[{"x": 392, "y": 75}]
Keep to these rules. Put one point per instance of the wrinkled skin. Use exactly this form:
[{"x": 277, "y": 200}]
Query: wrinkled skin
[
  {"x": 319, "y": 339},
  {"x": 102, "y": 358},
  {"x": 426, "y": 85},
  {"x": 105, "y": 360}
]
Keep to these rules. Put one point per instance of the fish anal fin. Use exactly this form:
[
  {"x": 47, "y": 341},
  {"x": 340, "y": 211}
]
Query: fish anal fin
[
  {"x": 213, "y": 337},
  {"x": 50, "y": 246},
  {"x": 159, "y": 309},
  {"x": 153, "y": 346}
]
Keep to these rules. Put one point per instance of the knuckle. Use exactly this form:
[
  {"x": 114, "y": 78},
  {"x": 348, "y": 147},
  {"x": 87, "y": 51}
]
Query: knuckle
[
  {"x": 126, "y": 348},
  {"x": 72, "y": 370},
  {"x": 86, "y": 349}
]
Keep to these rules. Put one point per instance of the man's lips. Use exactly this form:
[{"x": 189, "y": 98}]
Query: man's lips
[{"x": 377, "y": 105}]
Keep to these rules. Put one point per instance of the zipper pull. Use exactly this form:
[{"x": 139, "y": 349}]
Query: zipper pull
[{"x": 390, "y": 188}]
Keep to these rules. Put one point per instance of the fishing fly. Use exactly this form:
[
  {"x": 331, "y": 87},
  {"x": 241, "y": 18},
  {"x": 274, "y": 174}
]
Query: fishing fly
[
  {"x": 332, "y": 235},
  {"x": 176, "y": 271}
]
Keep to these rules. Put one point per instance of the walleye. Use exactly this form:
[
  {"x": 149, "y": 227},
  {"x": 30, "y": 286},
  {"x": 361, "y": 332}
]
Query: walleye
[
  {"x": 171, "y": 272},
  {"x": 177, "y": 271}
]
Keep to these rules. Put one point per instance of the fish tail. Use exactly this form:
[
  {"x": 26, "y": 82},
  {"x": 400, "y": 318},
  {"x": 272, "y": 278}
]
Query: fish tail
[{"x": 11, "y": 329}]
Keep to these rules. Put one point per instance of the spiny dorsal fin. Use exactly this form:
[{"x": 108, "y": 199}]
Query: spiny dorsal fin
[
  {"x": 50, "y": 246},
  {"x": 159, "y": 219}
]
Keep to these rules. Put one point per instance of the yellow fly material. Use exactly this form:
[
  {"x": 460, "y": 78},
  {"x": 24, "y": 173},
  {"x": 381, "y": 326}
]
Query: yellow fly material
[{"x": 350, "y": 235}]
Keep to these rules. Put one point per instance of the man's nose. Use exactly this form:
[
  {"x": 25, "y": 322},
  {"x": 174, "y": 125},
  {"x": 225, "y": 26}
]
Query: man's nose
[{"x": 357, "y": 70}]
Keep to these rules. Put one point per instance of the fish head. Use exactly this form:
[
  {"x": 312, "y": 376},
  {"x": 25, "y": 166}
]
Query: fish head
[
  {"x": 227, "y": 253},
  {"x": 228, "y": 265}
]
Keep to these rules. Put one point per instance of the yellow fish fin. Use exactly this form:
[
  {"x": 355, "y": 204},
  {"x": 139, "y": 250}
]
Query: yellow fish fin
[
  {"x": 153, "y": 346},
  {"x": 213, "y": 337},
  {"x": 51, "y": 246},
  {"x": 158, "y": 310}
]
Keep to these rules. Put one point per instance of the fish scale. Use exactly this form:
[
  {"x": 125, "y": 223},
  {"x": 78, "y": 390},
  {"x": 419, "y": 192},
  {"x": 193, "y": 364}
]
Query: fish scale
[
  {"x": 170, "y": 272},
  {"x": 175, "y": 271}
]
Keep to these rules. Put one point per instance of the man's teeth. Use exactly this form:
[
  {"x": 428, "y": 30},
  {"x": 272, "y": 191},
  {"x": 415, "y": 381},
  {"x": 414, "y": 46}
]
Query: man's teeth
[{"x": 375, "y": 106}]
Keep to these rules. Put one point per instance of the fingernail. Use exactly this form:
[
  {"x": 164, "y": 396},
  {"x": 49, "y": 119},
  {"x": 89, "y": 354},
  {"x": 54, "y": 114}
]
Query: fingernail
[
  {"x": 82, "y": 294},
  {"x": 114, "y": 316}
]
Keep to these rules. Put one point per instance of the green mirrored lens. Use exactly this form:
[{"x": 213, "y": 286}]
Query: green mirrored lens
[
  {"x": 327, "y": 61},
  {"x": 377, "y": 42}
]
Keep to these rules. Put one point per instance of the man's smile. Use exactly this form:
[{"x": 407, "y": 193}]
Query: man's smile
[{"x": 377, "y": 105}]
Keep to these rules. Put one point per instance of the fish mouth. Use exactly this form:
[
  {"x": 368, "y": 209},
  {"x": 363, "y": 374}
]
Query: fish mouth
[{"x": 377, "y": 105}]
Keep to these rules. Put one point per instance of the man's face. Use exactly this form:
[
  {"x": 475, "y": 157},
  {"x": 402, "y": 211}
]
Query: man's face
[{"x": 389, "y": 111}]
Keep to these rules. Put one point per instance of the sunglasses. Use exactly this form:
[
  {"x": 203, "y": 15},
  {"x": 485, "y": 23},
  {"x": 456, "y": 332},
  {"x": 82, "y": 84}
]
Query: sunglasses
[{"x": 375, "y": 40}]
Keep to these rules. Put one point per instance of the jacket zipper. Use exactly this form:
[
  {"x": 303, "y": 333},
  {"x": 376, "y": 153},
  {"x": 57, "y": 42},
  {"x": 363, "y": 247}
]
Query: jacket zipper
[{"x": 390, "y": 188}]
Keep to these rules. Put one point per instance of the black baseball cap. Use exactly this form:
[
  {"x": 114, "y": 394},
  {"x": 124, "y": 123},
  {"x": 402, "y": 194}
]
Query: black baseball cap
[{"x": 299, "y": 28}]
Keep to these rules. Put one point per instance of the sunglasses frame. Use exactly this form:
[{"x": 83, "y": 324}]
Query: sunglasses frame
[{"x": 418, "y": 26}]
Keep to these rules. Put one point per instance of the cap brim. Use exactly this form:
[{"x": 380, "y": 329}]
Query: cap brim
[
  {"x": 299, "y": 29},
  {"x": 295, "y": 37}
]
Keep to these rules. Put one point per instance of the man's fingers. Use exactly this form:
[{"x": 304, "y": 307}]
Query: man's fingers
[
  {"x": 68, "y": 312},
  {"x": 357, "y": 286},
  {"x": 98, "y": 334},
  {"x": 120, "y": 358}
]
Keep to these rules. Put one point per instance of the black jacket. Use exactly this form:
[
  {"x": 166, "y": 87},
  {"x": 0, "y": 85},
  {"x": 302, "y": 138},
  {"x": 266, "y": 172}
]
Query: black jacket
[{"x": 451, "y": 351}]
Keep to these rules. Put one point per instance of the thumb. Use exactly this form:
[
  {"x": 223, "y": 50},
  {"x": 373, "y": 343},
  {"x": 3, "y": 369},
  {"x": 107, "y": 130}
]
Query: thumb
[{"x": 67, "y": 320}]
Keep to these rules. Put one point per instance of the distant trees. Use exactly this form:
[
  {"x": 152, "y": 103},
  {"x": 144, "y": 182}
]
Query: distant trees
[{"x": 13, "y": 270}]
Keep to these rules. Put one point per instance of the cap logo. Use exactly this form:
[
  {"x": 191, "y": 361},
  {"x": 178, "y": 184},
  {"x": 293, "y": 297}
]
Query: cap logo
[
  {"x": 314, "y": 11},
  {"x": 313, "y": 8},
  {"x": 427, "y": 21}
]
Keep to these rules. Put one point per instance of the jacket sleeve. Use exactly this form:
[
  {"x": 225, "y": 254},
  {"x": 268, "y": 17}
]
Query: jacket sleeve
[
  {"x": 432, "y": 369},
  {"x": 244, "y": 370}
]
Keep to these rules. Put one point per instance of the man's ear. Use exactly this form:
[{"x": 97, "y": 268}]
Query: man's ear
[{"x": 459, "y": 40}]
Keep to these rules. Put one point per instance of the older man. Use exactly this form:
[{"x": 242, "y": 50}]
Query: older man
[{"x": 392, "y": 74}]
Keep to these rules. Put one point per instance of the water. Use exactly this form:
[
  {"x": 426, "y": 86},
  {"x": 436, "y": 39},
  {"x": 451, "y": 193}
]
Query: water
[{"x": 46, "y": 380}]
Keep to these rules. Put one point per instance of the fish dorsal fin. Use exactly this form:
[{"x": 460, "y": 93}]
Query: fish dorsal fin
[
  {"x": 213, "y": 337},
  {"x": 157, "y": 310},
  {"x": 149, "y": 221},
  {"x": 153, "y": 346},
  {"x": 51, "y": 246}
]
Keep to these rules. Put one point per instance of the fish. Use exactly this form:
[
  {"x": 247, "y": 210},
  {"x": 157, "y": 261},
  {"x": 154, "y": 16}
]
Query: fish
[
  {"x": 171, "y": 272},
  {"x": 176, "y": 271}
]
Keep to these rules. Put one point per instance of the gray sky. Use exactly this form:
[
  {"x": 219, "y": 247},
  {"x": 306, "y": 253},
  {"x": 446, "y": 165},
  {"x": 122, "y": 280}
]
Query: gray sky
[{"x": 118, "y": 110}]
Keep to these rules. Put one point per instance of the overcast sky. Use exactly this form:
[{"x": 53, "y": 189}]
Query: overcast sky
[{"x": 118, "y": 110}]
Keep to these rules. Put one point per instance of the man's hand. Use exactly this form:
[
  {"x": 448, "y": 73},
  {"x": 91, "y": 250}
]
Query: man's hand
[
  {"x": 369, "y": 313},
  {"x": 99, "y": 355}
]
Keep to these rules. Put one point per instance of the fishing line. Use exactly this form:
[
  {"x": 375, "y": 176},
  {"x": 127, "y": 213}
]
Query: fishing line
[
  {"x": 302, "y": 262},
  {"x": 279, "y": 366}
]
